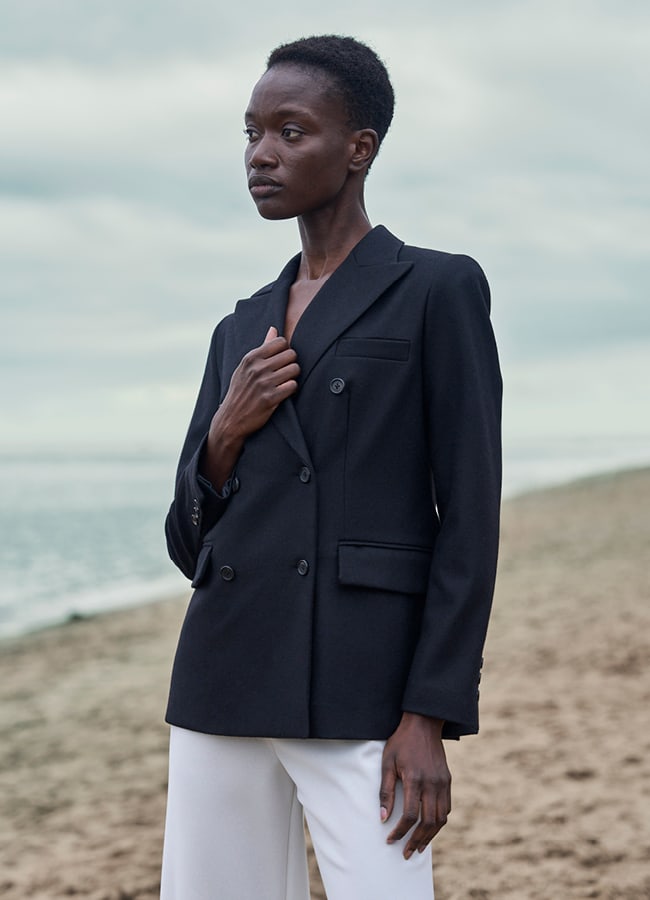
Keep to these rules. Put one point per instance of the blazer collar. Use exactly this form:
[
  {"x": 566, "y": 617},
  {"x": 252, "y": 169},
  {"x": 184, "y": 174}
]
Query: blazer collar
[{"x": 369, "y": 270}]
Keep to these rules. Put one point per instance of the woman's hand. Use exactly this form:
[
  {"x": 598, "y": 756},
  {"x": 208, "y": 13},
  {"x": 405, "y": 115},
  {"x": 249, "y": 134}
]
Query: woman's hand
[
  {"x": 263, "y": 379},
  {"x": 414, "y": 754}
]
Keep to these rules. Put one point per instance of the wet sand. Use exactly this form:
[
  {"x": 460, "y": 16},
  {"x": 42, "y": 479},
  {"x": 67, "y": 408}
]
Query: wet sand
[{"x": 551, "y": 800}]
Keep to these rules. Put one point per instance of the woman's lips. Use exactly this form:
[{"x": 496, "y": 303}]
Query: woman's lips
[
  {"x": 263, "y": 186},
  {"x": 264, "y": 190}
]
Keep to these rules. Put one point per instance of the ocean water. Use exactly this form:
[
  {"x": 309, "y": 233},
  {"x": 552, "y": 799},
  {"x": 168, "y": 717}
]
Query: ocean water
[
  {"x": 80, "y": 534},
  {"x": 83, "y": 533},
  {"x": 532, "y": 463}
]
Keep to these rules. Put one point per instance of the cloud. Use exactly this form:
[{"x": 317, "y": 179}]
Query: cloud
[
  {"x": 126, "y": 272},
  {"x": 128, "y": 232},
  {"x": 589, "y": 393}
]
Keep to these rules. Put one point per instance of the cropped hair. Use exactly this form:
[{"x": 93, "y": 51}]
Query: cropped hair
[{"x": 356, "y": 72}]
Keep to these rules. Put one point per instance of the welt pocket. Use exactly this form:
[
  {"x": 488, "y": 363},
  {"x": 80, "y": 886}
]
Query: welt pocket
[
  {"x": 397, "y": 349},
  {"x": 202, "y": 565},
  {"x": 389, "y": 567}
]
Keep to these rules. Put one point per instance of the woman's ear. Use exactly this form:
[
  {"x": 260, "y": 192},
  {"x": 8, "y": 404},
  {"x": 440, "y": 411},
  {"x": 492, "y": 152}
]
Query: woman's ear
[{"x": 365, "y": 149}]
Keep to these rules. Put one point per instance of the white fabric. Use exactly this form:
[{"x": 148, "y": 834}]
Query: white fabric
[{"x": 234, "y": 827}]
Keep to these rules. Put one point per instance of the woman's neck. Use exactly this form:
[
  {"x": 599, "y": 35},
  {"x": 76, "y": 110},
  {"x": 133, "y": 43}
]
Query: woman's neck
[{"x": 327, "y": 240}]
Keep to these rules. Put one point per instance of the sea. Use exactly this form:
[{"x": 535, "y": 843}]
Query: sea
[{"x": 82, "y": 532}]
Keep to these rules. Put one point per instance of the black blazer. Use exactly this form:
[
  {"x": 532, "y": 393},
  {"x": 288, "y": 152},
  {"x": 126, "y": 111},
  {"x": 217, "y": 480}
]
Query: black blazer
[{"x": 346, "y": 572}]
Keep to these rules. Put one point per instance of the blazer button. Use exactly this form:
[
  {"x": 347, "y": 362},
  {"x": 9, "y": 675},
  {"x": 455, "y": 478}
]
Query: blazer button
[
  {"x": 303, "y": 567},
  {"x": 305, "y": 474},
  {"x": 337, "y": 385},
  {"x": 227, "y": 573},
  {"x": 234, "y": 485}
]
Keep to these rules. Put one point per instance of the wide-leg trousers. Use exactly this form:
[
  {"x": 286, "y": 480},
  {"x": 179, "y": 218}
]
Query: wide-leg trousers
[{"x": 234, "y": 828}]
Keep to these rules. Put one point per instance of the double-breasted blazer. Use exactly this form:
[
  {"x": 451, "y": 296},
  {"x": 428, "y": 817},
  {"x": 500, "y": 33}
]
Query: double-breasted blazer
[{"x": 345, "y": 571}]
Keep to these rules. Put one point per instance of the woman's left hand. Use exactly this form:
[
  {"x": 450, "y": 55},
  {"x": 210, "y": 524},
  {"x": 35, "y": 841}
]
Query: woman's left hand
[{"x": 414, "y": 754}]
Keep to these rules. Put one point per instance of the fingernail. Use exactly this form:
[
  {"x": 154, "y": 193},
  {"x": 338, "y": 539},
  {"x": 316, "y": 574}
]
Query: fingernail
[
  {"x": 383, "y": 812},
  {"x": 408, "y": 854}
]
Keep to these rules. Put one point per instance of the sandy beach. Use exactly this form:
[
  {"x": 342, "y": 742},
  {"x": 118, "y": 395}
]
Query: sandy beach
[{"x": 551, "y": 800}]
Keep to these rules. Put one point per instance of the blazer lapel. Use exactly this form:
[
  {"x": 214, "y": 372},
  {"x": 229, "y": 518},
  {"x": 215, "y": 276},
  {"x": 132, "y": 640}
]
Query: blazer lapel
[
  {"x": 369, "y": 270},
  {"x": 253, "y": 321},
  {"x": 267, "y": 307}
]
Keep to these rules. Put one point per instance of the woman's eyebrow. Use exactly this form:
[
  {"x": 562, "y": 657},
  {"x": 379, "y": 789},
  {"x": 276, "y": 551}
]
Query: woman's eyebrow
[{"x": 285, "y": 112}]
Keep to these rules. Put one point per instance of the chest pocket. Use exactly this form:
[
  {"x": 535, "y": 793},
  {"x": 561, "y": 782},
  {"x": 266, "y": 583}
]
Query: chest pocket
[{"x": 397, "y": 349}]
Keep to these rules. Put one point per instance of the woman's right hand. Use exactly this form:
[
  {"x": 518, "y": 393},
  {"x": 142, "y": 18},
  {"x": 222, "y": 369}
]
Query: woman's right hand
[{"x": 264, "y": 378}]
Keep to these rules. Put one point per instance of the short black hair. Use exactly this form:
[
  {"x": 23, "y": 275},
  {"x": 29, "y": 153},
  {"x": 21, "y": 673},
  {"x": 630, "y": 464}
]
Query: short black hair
[{"x": 355, "y": 69}]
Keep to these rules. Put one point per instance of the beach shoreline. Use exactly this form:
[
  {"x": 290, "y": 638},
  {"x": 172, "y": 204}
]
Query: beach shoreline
[{"x": 551, "y": 800}]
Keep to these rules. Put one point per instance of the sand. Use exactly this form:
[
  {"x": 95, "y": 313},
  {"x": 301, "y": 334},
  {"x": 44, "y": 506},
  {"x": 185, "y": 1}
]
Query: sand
[{"x": 551, "y": 800}]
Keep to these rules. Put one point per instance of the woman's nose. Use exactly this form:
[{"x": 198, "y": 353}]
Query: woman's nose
[{"x": 261, "y": 153}]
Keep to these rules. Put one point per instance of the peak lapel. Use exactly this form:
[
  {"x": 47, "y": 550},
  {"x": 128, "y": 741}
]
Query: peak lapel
[
  {"x": 369, "y": 270},
  {"x": 254, "y": 317},
  {"x": 253, "y": 320}
]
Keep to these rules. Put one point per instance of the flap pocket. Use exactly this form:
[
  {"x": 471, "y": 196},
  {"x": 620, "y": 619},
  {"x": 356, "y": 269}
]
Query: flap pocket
[
  {"x": 388, "y": 567},
  {"x": 202, "y": 565},
  {"x": 374, "y": 348}
]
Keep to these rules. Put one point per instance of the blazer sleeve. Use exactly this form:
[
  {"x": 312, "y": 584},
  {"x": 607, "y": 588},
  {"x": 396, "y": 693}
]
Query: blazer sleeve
[
  {"x": 197, "y": 506},
  {"x": 463, "y": 389}
]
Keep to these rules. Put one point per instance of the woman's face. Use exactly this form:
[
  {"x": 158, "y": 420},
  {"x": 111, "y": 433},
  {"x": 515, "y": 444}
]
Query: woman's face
[{"x": 299, "y": 143}]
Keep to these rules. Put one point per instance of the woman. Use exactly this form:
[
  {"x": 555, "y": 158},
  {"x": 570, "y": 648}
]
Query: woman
[{"x": 337, "y": 508}]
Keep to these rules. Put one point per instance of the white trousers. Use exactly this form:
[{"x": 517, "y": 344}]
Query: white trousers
[{"x": 234, "y": 828}]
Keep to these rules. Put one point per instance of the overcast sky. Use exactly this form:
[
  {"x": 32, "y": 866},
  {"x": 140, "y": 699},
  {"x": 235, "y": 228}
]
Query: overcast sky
[{"x": 521, "y": 137}]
